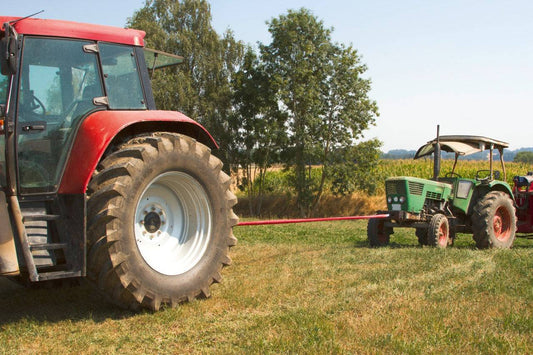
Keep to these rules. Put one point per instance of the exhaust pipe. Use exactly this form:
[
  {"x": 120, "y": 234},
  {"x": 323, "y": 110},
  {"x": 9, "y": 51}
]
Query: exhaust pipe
[{"x": 436, "y": 156}]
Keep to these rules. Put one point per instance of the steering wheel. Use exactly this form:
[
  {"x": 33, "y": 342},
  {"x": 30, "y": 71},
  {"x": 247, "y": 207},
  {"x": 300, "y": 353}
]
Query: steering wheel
[
  {"x": 486, "y": 178},
  {"x": 452, "y": 174},
  {"x": 35, "y": 104}
]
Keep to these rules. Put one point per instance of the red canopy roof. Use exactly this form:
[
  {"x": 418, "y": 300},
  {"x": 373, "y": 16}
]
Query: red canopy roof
[{"x": 58, "y": 28}]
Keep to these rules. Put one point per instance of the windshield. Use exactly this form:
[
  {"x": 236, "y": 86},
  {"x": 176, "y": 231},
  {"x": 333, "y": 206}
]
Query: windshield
[{"x": 3, "y": 89}]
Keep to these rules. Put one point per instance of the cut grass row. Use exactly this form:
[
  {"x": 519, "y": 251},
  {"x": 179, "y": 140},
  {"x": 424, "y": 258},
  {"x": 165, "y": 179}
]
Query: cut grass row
[{"x": 305, "y": 288}]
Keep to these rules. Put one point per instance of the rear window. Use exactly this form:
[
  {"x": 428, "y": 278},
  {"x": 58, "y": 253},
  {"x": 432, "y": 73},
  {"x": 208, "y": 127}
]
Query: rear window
[{"x": 121, "y": 77}]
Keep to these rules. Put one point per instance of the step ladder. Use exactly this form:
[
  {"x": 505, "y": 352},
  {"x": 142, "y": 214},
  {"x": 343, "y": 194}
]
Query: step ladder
[{"x": 51, "y": 242}]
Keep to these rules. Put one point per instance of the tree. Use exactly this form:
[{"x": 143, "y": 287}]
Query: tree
[
  {"x": 320, "y": 88},
  {"x": 201, "y": 86},
  {"x": 524, "y": 157},
  {"x": 260, "y": 126},
  {"x": 347, "y": 113},
  {"x": 356, "y": 168}
]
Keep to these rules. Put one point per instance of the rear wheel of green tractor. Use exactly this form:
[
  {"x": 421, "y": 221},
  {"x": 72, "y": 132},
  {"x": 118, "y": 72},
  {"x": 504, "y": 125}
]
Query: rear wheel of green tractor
[
  {"x": 439, "y": 231},
  {"x": 159, "y": 222},
  {"x": 378, "y": 234},
  {"x": 494, "y": 221}
]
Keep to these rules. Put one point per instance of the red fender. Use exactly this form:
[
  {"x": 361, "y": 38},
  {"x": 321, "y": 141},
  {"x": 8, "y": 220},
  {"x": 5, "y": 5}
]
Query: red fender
[{"x": 98, "y": 130}]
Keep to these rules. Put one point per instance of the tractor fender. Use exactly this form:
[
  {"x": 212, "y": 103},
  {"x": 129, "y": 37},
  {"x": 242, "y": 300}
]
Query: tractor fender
[
  {"x": 483, "y": 189},
  {"x": 497, "y": 185},
  {"x": 99, "y": 129}
]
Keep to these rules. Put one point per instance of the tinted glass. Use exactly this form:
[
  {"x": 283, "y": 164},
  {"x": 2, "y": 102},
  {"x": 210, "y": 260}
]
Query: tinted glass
[
  {"x": 121, "y": 77},
  {"x": 58, "y": 83},
  {"x": 3, "y": 89}
]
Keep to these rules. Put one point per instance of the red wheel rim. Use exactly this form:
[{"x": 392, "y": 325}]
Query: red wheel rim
[
  {"x": 501, "y": 224},
  {"x": 443, "y": 235}
]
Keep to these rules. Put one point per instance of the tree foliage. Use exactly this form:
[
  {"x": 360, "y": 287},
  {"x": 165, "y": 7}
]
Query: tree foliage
[
  {"x": 201, "y": 86},
  {"x": 320, "y": 87},
  {"x": 260, "y": 126},
  {"x": 524, "y": 157}
]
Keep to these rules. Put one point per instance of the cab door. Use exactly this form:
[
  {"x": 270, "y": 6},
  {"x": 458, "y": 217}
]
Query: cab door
[{"x": 59, "y": 81}]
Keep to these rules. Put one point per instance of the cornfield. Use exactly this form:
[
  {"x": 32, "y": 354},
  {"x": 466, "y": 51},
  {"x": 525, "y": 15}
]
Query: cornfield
[
  {"x": 279, "y": 199},
  {"x": 423, "y": 168}
]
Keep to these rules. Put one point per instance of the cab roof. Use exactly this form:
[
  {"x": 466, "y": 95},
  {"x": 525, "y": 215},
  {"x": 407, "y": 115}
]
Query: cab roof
[
  {"x": 68, "y": 29},
  {"x": 461, "y": 145}
]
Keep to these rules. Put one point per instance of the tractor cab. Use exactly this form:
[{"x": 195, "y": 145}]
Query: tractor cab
[{"x": 462, "y": 146}]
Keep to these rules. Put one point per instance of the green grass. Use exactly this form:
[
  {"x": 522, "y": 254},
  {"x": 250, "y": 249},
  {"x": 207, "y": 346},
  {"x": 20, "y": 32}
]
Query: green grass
[{"x": 306, "y": 289}]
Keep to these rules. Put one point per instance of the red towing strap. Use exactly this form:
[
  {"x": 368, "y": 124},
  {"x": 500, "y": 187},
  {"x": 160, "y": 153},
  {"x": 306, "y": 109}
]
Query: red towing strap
[{"x": 305, "y": 220}]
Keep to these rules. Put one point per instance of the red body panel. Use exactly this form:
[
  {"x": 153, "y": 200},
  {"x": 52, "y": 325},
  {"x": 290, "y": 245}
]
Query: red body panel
[
  {"x": 57, "y": 28},
  {"x": 524, "y": 205},
  {"x": 94, "y": 136}
]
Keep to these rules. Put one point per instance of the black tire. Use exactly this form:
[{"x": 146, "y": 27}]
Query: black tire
[
  {"x": 494, "y": 221},
  {"x": 422, "y": 235},
  {"x": 438, "y": 231},
  {"x": 378, "y": 234},
  {"x": 127, "y": 210}
]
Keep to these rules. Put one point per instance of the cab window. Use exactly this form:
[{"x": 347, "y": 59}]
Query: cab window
[
  {"x": 121, "y": 77},
  {"x": 59, "y": 81}
]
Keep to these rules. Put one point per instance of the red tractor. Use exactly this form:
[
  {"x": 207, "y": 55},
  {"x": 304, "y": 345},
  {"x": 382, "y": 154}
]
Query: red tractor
[
  {"x": 95, "y": 181},
  {"x": 523, "y": 194}
]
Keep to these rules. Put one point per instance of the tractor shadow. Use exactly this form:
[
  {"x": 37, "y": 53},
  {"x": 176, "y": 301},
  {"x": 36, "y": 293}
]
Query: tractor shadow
[
  {"x": 521, "y": 242},
  {"x": 46, "y": 304}
]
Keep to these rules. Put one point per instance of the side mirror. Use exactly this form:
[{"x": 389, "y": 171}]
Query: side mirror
[{"x": 8, "y": 53}]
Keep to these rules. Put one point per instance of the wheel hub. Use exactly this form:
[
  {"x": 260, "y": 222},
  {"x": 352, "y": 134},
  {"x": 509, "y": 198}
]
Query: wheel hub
[
  {"x": 154, "y": 220},
  {"x": 501, "y": 224}
]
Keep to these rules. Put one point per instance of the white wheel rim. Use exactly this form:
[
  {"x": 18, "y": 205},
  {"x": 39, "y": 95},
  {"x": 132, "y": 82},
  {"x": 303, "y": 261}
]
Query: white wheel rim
[{"x": 173, "y": 223}]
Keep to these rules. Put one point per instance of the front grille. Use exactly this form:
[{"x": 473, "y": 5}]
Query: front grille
[
  {"x": 416, "y": 188},
  {"x": 395, "y": 187},
  {"x": 434, "y": 195}
]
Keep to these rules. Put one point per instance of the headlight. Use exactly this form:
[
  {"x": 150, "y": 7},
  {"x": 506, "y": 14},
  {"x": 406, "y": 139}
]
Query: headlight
[
  {"x": 395, "y": 198},
  {"x": 402, "y": 199},
  {"x": 389, "y": 199}
]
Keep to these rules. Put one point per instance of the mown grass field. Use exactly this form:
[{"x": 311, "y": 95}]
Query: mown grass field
[{"x": 312, "y": 288}]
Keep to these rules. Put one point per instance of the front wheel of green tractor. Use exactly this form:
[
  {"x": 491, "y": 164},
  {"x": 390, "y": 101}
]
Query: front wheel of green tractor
[
  {"x": 422, "y": 236},
  {"x": 159, "y": 222},
  {"x": 439, "y": 231},
  {"x": 494, "y": 221},
  {"x": 378, "y": 233}
]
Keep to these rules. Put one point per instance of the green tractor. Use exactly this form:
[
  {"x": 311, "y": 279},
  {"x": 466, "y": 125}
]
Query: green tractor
[{"x": 440, "y": 208}]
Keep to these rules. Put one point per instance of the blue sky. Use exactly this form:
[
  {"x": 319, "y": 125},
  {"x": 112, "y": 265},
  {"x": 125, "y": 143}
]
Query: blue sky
[{"x": 466, "y": 65}]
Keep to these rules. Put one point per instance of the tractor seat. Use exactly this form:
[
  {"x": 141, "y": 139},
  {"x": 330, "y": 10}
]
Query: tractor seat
[{"x": 523, "y": 181}]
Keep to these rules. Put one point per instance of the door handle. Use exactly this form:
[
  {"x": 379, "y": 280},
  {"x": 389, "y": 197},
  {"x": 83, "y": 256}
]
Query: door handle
[{"x": 34, "y": 127}]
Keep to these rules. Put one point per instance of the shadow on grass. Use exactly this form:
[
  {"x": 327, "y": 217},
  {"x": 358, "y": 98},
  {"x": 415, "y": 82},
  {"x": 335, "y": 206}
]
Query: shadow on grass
[
  {"x": 43, "y": 304},
  {"x": 462, "y": 245},
  {"x": 392, "y": 245}
]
